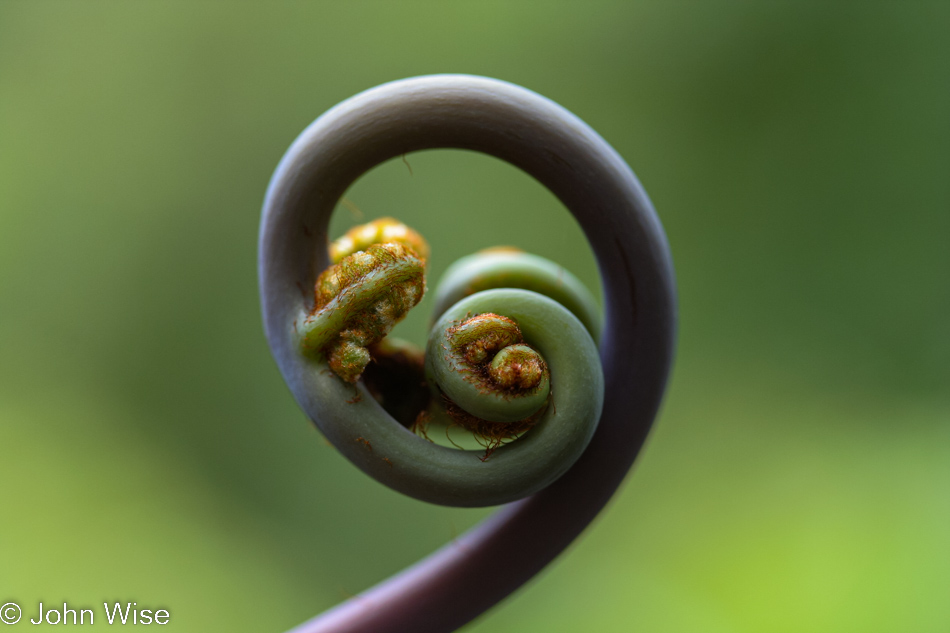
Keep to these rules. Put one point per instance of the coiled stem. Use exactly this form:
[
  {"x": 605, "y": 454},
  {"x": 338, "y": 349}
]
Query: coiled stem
[
  {"x": 513, "y": 268},
  {"x": 488, "y": 380},
  {"x": 482, "y": 364},
  {"x": 463, "y": 579}
]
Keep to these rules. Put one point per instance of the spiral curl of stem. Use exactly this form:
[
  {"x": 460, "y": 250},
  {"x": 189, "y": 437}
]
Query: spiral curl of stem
[
  {"x": 482, "y": 365},
  {"x": 510, "y": 267},
  {"x": 482, "y": 567}
]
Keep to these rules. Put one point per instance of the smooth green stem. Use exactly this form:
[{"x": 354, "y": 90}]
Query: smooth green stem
[
  {"x": 511, "y": 268},
  {"x": 319, "y": 329}
]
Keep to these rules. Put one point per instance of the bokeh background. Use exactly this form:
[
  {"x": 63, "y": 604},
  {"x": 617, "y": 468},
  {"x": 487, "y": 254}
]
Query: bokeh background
[{"x": 798, "y": 478}]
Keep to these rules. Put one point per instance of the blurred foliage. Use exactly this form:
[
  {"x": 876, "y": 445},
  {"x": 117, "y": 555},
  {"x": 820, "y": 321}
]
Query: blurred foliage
[{"x": 797, "y": 153}]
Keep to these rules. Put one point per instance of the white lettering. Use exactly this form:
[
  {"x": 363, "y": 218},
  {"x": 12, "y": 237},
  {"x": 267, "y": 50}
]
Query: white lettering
[{"x": 110, "y": 615}]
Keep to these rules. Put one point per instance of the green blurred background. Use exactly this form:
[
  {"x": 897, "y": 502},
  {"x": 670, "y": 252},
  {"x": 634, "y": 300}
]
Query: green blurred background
[{"x": 798, "y": 478}]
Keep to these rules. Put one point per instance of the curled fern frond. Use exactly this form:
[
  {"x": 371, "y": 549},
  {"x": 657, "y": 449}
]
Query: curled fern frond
[
  {"x": 357, "y": 302},
  {"x": 622, "y": 383}
]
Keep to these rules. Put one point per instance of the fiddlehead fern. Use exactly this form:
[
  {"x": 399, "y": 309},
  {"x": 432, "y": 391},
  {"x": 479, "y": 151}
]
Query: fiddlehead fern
[
  {"x": 557, "y": 340},
  {"x": 482, "y": 365},
  {"x": 463, "y": 579},
  {"x": 479, "y": 366},
  {"x": 492, "y": 383},
  {"x": 357, "y": 302}
]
